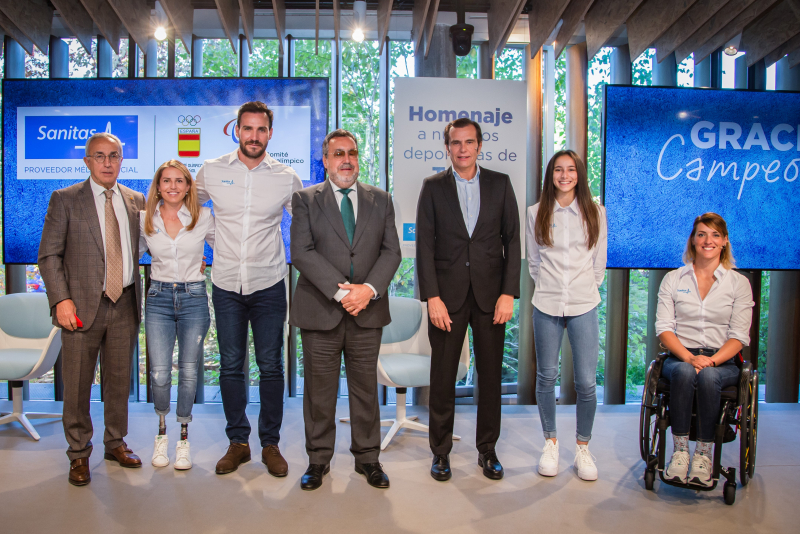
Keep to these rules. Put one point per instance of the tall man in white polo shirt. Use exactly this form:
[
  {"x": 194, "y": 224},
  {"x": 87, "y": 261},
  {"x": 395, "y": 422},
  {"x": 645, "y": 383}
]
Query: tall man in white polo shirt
[{"x": 250, "y": 190}]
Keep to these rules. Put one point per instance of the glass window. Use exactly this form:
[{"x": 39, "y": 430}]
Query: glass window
[
  {"x": 467, "y": 66},
  {"x": 219, "y": 58},
  {"x": 309, "y": 63},
  {"x": 509, "y": 64}
]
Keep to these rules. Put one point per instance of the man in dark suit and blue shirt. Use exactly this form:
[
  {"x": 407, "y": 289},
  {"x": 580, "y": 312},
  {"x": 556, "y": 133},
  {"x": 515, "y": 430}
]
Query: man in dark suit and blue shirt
[
  {"x": 345, "y": 245},
  {"x": 468, "y": 266}
]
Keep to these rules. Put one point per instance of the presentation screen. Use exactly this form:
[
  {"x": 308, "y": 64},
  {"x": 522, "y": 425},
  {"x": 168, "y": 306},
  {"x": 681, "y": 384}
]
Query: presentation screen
[
  {"x": 671, "y": 154},
  {"x": 46, "y": 124}
]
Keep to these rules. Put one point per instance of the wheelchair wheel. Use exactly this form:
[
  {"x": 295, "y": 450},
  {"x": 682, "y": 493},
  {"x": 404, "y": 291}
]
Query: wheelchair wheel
[
  {"x": 729, "y": 493},
  {"x": 648, "y": 433},
  {"x": 649, "y": 479},
  {"x": 748, "y": 415}
]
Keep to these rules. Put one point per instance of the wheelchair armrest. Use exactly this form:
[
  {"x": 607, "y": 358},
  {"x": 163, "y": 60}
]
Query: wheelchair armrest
[
  {"x": 745, "y": 372},
  {"x": 661, "y": 356}
]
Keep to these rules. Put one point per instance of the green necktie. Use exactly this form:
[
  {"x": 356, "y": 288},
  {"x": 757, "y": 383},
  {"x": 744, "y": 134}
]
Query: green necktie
[{"x": 349, "y": 220}]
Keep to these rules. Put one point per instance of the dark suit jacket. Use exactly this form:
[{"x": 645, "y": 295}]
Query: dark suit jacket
[
  {"x": 71, "y": 254},
  {"x": 449, "y": 260},
  {"x": 322, "y": 253}
]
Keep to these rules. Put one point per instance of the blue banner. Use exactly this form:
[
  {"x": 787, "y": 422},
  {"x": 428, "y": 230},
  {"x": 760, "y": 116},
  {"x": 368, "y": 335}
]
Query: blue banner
[{"x": 671, "y": 154}]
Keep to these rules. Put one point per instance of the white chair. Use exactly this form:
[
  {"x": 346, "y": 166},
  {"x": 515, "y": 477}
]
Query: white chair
[
  {"x": 405, "y": 360},
  {"x": 29, "y": 346}
]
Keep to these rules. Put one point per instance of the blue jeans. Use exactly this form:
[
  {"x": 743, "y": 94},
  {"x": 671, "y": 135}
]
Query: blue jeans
[
  {"x": 265, "y": 310},
  {"x": 684, "y": 381},
  {"x": 175, "y": 310},
  {"x": 584, "y": 339}
]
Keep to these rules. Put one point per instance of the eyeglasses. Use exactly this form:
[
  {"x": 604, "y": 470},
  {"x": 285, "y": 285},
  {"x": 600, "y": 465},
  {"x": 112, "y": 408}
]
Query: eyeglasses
[
  {"x": 114, "y": 158},
  {"x": 341, "y": 153}
]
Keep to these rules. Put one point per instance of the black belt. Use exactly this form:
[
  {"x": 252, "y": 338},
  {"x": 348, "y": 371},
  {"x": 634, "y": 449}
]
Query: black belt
[
  {"x": 124, "y": 290},
  {"x": 703, "y": 351}
]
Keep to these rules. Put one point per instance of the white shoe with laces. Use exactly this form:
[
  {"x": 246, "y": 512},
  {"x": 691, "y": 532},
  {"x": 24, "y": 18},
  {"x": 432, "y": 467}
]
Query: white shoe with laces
[
  {"x": 678, "y": 468},
  {"x": 701, "y": 470},
  {"x": 584, "y": 463},
  {"x": 183, "y": 459},
  {"x": 160, "y": 457},
  {"x": 548, "y": 463}
]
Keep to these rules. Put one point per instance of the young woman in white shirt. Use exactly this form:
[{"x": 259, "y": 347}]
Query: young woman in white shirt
[
  {"x": 566, "y": 245},
  {"x": 173, "y": 229},
  {"x": 703, "y": 319}
]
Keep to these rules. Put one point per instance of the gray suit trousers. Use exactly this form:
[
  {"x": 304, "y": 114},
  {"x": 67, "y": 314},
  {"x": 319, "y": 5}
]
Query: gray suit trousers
[
  {"x": 112, "y": 335},
  {"x": 322, "y": 357}
]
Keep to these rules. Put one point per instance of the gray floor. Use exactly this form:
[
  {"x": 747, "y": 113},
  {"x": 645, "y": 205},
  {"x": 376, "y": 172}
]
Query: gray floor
[{"x": 35, "y": 495}]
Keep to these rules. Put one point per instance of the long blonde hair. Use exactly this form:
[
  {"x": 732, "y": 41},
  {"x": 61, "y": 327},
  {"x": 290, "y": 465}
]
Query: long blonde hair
[
  {"x": 154, "y": 197},
  {"x": 715, "y": 222}
]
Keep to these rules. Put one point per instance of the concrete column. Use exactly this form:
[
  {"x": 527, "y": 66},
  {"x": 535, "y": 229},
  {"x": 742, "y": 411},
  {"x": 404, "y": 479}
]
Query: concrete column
[
  {"x": 441, "y": 60},
  {"x": 244, "y": 57},
  {"x": 740, "y": 72},
  {"x": 716, "y": 68},
  {"x": 58, "y": 53},
  {"x": 526, "y": 369},
  {"x": 577, "y": 139},
  {"x": 702, "y": 73},
  {"x": 133, "y": 59},
  {"x": 757, "y": 76},
  {"x": 621, "y": 65},
  {"x": 666, "y": 72},
  {"x": 151, "y": 59},
  {"x": 783, "y": 340},
  {"x": 104, "y": 58},
  {"x": 197, "y": 56},
  {"x": 485, "y": 62}
]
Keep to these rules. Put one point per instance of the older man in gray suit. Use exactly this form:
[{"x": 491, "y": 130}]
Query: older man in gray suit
[
  {"x": 88, "y": 258},
  {"x": 345, "y": 245}
]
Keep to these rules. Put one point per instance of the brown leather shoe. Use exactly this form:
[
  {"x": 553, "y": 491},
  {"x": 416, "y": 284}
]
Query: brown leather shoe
[
  {"x": 237, "y": 454},
  {"x": 276, "y": 465},
  {"x": 79, "y": 472},
  {"x": 123, "y": 455}
]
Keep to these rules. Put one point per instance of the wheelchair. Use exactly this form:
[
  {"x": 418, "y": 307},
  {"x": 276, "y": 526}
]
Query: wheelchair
[{"x": 738, "y": 414}]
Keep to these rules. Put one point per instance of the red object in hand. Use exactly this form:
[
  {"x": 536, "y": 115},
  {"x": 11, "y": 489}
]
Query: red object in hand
[{"x": 80, "y": 323}]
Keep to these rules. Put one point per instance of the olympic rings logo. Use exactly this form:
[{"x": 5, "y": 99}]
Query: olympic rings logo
[{"x": 189, "y": 120}]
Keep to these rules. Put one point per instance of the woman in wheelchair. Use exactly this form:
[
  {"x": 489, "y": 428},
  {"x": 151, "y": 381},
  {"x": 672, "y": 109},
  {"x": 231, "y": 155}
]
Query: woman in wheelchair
[{"x": 703, "y": 319}]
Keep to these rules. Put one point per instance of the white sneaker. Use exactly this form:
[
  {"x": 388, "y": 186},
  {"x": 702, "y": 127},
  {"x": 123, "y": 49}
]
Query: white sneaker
[
  {"x": 160, "y": 458},
  {"x": 584, "y": 463},
  {"x": 678, "y": 469},
  {"x": 701, "y": 470},
  {"x": 548, "y": 463},
  {"x": 182, "y": 458}
]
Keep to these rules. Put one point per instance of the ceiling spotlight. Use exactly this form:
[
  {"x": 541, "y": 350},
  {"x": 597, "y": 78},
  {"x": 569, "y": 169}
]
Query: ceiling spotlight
[
  {"x": 160, "y": 34},
  {"x": 358, "y": 35},
  {"x": 359, "y": 20},
  {"x": 731, "y": 50}
]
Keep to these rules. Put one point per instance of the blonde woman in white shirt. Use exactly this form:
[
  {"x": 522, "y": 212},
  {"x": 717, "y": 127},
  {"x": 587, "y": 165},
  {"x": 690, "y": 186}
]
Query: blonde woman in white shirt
[
  {"x": 566, "y": 245},
  {"x": 703, "y": 319},
  {"x": 173, "y": 229}
]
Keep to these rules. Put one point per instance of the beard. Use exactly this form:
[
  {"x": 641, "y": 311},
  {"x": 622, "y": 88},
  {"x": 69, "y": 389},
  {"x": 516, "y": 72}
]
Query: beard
[
  {"x": 342, "y": 182},
  {"x": 260, "y": 149}
]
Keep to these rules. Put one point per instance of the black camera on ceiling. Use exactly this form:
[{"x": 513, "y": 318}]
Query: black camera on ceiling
[{"x": 461, "y": 35}]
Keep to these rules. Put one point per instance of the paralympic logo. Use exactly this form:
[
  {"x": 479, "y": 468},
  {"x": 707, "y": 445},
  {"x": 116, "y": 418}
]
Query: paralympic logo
[
  {"x": 230, "y": 129},
  {"x": 189, "y": 120}
]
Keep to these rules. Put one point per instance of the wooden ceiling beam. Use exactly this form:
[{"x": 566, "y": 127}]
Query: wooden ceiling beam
[
  {"x": 419, "y": 14},
  {"x": 77, "y": 20},
  {"x": 12, "y": 31},
  {"x": 34, "y": 18},
  {"x": 542, "y": 20},
  {"x": 711, "y": 27},
  {"x": 733, "y": 28},
  {"x": 651, "y": 20},
  {"x": 337, "y": 22},
  {"x": 571, "y": 19},
  {"x": 501, "y": 18},
  {"x": 384, "y": 17},
  {"x": 181, "y": 17},
  {"x": 248, "y": 13},
  {"x": 777, "y": 26},
  {"x": 106, "y": 20},
  {"x": 316, "y": 28},
  {"x": 279, "y": 12},
  {"x": 786, "y": 48},
  {"x": 604, "y": 19},
  {"x": 685, "y": 26},
  {"x": 135, "y": 16},
  {"x": 433, "y": 12},
  {"x": 228, "y": 11}
]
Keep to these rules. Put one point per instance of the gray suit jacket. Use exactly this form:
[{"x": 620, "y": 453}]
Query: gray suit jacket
[
  {"x": 71, "y": 254},
  {"x": 322, "y": 253}
]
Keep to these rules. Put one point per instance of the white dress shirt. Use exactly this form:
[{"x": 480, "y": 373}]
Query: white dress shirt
[
  {"x": 724, "y": 314},
  {"x": 568, "y": 274},
  {"x": 248, "y": 204},
  {"x": 353, "y": 196},
  {"x": 469, "y": 198},
  {"x": 179, "y": 259},
  {"x": 124, "y": 228}
]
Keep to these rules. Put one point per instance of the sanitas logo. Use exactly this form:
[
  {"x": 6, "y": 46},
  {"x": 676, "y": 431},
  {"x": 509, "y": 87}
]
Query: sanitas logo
[
  {"x": 48, "y": 137},
  {"x": 230, "y": 129}
]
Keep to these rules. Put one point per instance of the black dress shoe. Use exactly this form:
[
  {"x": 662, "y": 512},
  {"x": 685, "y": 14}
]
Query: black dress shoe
[
  {"x": 312, "y": 479},
  {"x": 374, "y": 473},
  {"x": 440, "y": 470},
  {"x": 491, "y": 465}
]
